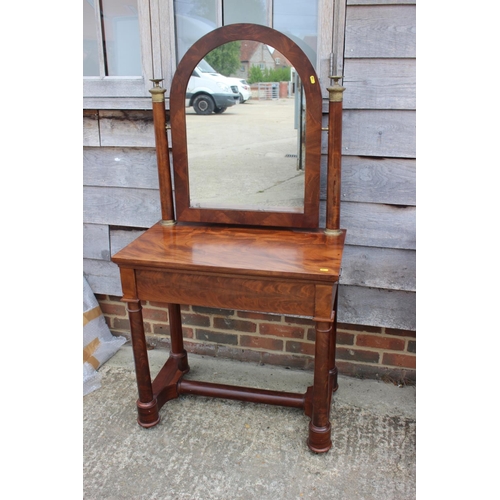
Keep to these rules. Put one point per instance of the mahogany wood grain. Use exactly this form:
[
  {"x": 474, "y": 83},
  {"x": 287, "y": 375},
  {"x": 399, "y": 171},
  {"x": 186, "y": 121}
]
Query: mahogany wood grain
[
  {"x": 177, "y": 343},
  {"x": 310, "y": 217},
  {"x": 248, "y": 394},
  {"x": 263, "y": 252},
  {"x": 163, "y": 161},
  {"x": 147, "y": 406},
  {"x": 333, "y": 193},
  {"x": 241, "y": 293}
]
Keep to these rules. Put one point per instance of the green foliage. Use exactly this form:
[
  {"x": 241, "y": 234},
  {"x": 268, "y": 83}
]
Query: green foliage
[
  {"x": 256, "y": 75},
  {"x": 226, "y": 58}
]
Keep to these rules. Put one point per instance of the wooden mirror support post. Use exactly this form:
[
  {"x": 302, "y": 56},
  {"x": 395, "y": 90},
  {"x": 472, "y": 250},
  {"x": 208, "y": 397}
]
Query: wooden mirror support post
[
  {"x": 162, "y": 154},
  {"x": 334, "y": 157},
  {"x": 243, "y": 261}
]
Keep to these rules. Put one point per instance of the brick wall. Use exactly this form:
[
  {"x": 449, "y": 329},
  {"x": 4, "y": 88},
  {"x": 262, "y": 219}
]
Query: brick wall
[{"x": 362, "y": 351}]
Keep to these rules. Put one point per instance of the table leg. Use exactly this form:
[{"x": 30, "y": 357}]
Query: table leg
[
  {"x": 333, "y": 345},
  {"x": 147, "y": 406},
  {"x": 319, "y": 439},
  {"x": 177, "y": 350}
]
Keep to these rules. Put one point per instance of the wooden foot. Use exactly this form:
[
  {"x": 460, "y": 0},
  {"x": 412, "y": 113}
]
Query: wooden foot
[
  {"x": 148, "y": 414},
  {"x": 319, "y": 440}
]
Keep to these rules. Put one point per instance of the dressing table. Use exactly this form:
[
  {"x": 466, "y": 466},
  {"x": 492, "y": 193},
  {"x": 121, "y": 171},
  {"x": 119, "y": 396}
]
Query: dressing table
[{"x": 249, "y": 257}]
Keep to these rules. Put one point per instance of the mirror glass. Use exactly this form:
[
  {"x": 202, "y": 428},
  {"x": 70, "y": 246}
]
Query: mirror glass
[{"x": 245, "y": 131}]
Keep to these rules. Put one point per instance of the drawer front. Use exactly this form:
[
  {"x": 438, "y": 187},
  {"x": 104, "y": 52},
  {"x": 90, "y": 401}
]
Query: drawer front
[{"x": 226, "y": 292}]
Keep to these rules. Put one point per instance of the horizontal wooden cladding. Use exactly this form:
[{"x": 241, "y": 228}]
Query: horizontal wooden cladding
[
  {"x": 379, "y": 84},
  {"x": 120, "y": 238},
  {"x": 91, "y": 127},
  {"x": 386, "y": 133},
  {"x": 100, "y": 241},
  {"x": 131, "y": 103},
  {"x": 96, "y": 241},
  {"x": 376, "y": 307},
  {"x": 376, "y": 180},
  {"x": 377, "y": 225},
  {"x": 102, "y": 276},
  {"x": 387, "y": 31},
  {"x": 119, "y": 128},
  {"x": 120, "y": 167},
  {"x": 121, "y": 206},
  {"x": 131, "y": 87},
  {"x": 226, "y": 292},
  {"x": 388, "y": 268}
]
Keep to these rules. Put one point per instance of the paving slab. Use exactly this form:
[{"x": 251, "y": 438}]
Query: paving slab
[{"x": 207, "y": 448}]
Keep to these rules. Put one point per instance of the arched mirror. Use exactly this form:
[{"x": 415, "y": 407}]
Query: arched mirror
[{"x": 246, "y": 154}]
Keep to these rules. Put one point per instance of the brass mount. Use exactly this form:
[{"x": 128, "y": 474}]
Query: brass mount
[
  {"x": 157, "y": 92},
  {"x": 336, "y": 89}
]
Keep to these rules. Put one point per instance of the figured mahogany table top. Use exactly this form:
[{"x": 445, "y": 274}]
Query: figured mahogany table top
[{"x": 287, "y": 253}]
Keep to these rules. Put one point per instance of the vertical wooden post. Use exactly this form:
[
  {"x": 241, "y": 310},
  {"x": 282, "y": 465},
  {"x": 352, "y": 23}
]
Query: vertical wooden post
[
  {"x": 333, "y": 192},
  {"x": 177, "y": 350},
  {"x": 147, "y": 406},
  {"x": 320, "y": 430},
  {"x": 162, "y": 155},
  {"x": 319, "y": 439}
]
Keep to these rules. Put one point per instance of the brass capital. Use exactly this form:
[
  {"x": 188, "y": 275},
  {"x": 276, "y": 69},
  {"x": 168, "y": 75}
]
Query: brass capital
[
  {"x": 336, "y": 90},
  {"x": 333, "y": 232},
  {"x": 168, "y": 222},
  {"x": 157, "y": 92}
]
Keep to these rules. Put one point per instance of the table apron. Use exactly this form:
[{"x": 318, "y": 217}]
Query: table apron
[{"x": 227, "y": 292}]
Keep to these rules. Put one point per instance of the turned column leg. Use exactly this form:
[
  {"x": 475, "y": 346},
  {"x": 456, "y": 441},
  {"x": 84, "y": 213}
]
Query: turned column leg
[
  {"x": 319, "y": 439},
  {"x": 177, "y": 350},
  {"x": 333, "y": 346},
  {"x": 147, "y": 406}
]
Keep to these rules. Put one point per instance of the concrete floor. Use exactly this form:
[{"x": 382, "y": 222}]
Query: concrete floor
[{"x": 215, "y": 449}]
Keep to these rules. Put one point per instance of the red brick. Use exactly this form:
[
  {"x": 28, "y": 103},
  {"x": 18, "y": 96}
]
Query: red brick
[
  {"x": 195, "y": 319},
  {"x": 402, "y": 360},
  {"x": 124, "y": 324},
  {"x": 216, "y": 337},
  {"x": 359, "y": 328},
  {"x": 282, "y": 330},
  {"x": 239, "y": 354},
  {"x": 380, "y": 342},
  {"x": 164, "y": 330},
  {"x": 121, "y": 324},
  {"x": 357, "y": 355},
  {"x": 259, "y": 316},
  {"x": 211, "y": 310},
  {"x": 235, "y": 324},
  {"x": 116, "y": 309},
  {"x": 161, "y": 305},
  {"x": 401, "y": 333},
  {"x": 261, "y": 343},
  {"x": 161, "y": 329},
  {"x": 342, "y": 337},
  {"x": 154, "y": 314},
  {"x": 299, "y": 321},
  {"x": 300, "y": 348}
]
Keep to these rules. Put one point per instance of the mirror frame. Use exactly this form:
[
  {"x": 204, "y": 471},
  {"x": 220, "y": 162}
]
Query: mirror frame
[{"x": 309, "y": 218}]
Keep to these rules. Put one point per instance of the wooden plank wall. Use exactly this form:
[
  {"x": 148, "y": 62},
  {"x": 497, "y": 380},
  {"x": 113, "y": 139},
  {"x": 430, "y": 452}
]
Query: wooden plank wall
[
  {"x": 378, "y": 176},
  {"x": 121, "y": 196}
]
